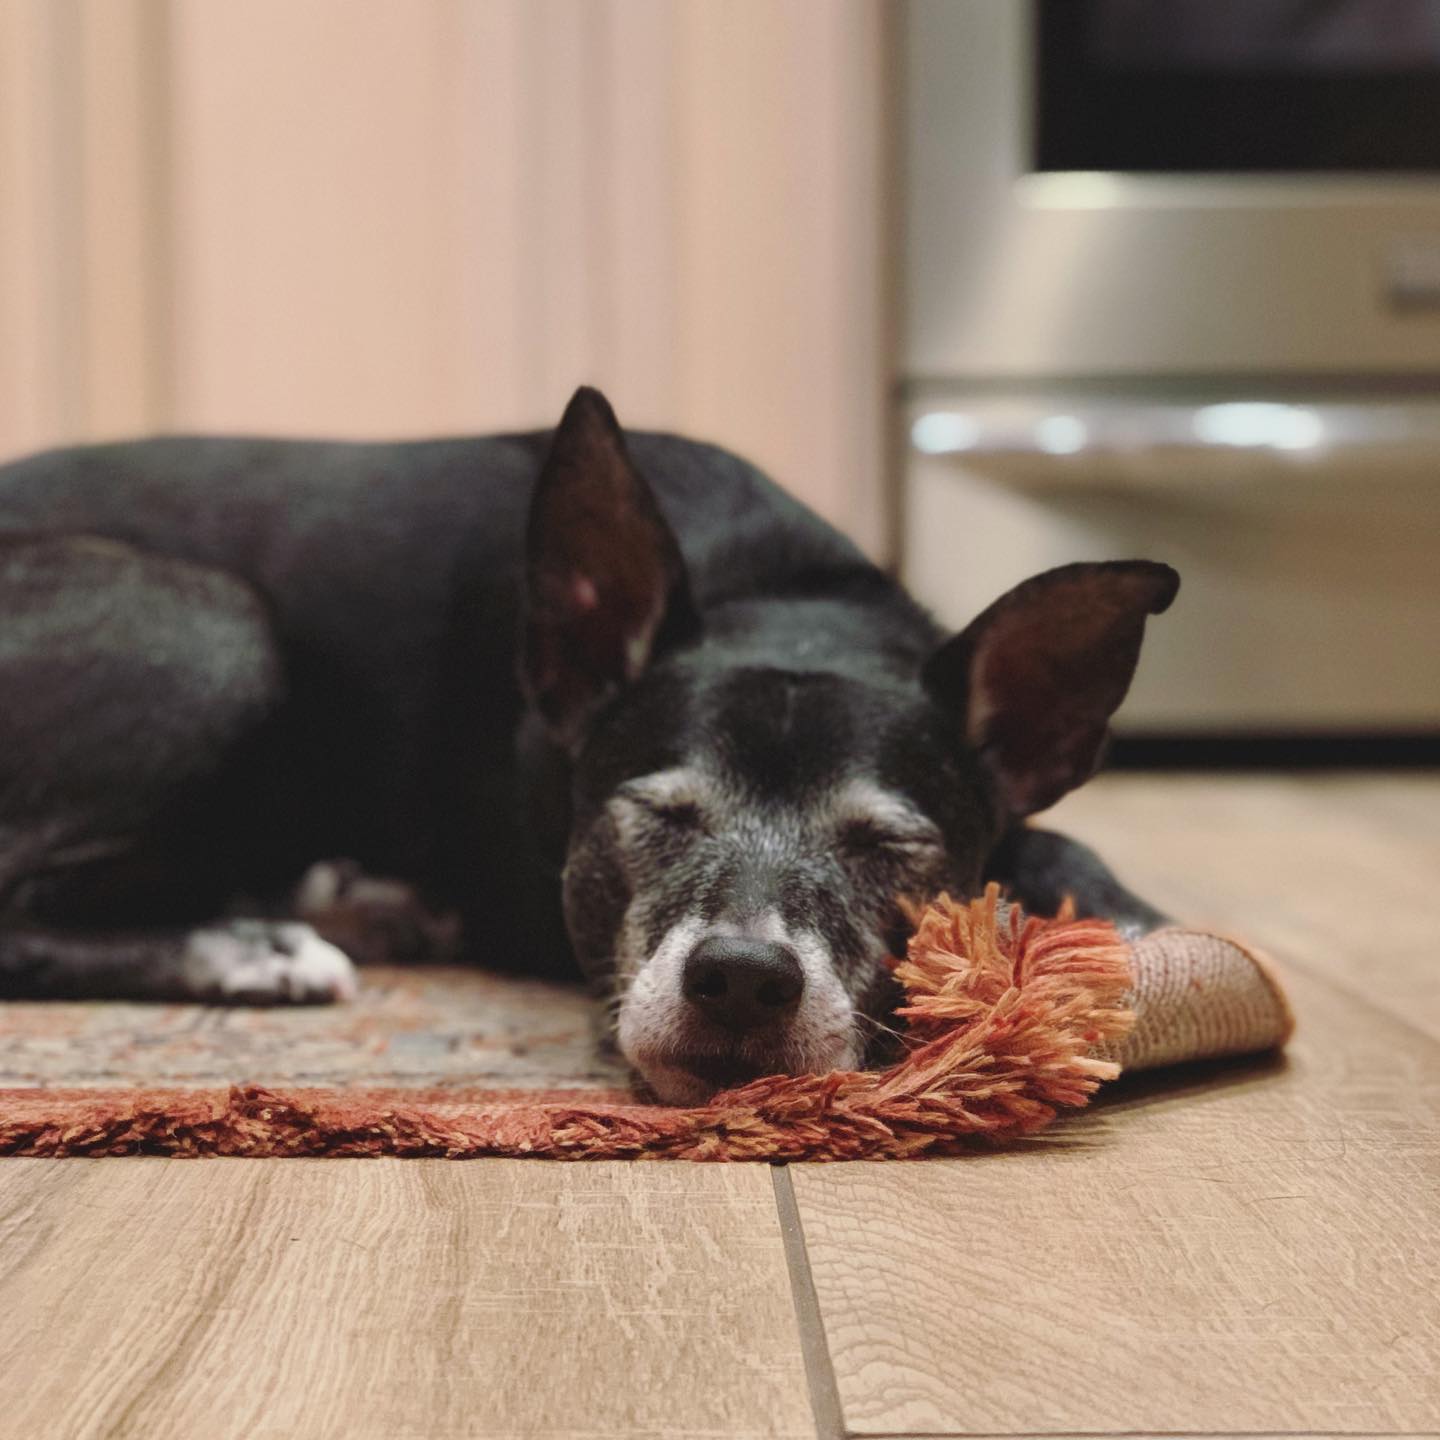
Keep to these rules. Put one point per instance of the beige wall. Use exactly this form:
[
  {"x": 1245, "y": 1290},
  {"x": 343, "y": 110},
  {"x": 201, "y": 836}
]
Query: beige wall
[{"x": 421, "y": 216}]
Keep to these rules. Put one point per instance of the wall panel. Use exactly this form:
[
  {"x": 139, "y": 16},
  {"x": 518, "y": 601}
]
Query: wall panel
[{"x": 421, "y": 216}]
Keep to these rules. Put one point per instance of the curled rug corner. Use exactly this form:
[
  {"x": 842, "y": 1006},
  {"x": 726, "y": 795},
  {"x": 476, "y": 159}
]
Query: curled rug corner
[
  {"x": 1009, "y": 1021},
  {"x": 1201, "y": 996}
]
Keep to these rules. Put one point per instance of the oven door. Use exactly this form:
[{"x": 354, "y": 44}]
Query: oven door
[
  {"x": 1014, "y": 270},
  {"x": 1236, "y": 373}
]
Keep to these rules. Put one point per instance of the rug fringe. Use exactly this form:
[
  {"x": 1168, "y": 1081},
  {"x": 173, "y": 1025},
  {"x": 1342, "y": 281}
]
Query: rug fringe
[{"x": 1004, "y": 1017}]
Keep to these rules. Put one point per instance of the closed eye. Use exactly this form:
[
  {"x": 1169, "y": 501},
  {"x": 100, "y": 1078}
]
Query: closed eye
[
  {"x": 866, "y": 836},
  {"x": 682, "y": 814},
  {"x": 873, "y": 822},
  {"x": 667, "y": 798}
]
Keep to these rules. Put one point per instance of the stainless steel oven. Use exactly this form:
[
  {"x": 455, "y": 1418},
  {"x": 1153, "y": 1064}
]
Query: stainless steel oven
[{"x": 1171, "y": 284}]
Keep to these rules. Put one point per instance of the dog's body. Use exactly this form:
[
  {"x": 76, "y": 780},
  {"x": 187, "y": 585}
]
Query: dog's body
[{"x": 738, "y": 742}]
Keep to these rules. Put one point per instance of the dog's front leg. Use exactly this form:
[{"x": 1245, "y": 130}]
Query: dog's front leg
[
  {"x": 1040, "y": 868},
  {"x": 375, "y": 920},
  {"x": 243, "y": 962}
]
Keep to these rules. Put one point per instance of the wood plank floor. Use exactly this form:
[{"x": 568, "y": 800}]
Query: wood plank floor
[
  {"x": 387, "y": 1299},
  {"x": 1251, "y": 1249}
]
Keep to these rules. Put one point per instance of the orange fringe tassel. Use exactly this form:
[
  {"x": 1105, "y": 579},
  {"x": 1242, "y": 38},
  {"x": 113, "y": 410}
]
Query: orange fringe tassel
[{"x": 1003, "y": 1015}]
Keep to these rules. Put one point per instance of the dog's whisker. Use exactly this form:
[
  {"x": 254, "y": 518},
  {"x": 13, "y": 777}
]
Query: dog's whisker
[{"x": 879, "y": 1027}]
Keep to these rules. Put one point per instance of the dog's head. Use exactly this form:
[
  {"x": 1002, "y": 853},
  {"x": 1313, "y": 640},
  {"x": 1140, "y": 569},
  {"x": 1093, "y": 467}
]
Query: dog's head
[{"x": 754, "y": 801}]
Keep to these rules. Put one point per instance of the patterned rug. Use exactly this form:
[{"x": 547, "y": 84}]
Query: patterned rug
[
  {"x": 1009, "y": 1021},
  {"x": 425, "y": 1028}
]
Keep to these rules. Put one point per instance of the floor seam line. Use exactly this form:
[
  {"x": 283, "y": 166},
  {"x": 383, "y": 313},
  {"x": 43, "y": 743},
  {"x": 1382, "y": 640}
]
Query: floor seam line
[{"x": 814, "y": 1349}]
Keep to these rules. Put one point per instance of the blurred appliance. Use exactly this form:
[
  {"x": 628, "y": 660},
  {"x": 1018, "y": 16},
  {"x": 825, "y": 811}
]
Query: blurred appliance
[{"x": 1171, "y": 280}]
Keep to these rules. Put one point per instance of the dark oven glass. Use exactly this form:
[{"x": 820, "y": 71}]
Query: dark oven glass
[{"x": 1226, "y": 85}]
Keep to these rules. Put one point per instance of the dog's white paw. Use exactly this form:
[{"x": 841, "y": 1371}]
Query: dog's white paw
[{"x": 257, "y": 962}]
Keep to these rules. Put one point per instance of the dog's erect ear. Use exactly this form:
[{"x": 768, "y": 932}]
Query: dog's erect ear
[
  {"x": 1038, "y": 675},
  {"x": 605, "y": 584}
]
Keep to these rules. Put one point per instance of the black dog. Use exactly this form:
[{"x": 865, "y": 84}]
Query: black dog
[{"x": 629, "y": 683}]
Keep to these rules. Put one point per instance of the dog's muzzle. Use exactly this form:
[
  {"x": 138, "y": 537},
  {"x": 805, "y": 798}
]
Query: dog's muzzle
[{"x": 716, "y": 1006}]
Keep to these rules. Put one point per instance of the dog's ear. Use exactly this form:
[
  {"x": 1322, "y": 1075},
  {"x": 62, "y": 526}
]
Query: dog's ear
[
  {"x": 605, "y": 583},
  {"x": 1038, "y": 675}
]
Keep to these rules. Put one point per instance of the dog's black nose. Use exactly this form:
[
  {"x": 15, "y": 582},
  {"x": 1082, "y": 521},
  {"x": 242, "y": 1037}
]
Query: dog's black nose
[{"x": 742, "y": 984}]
